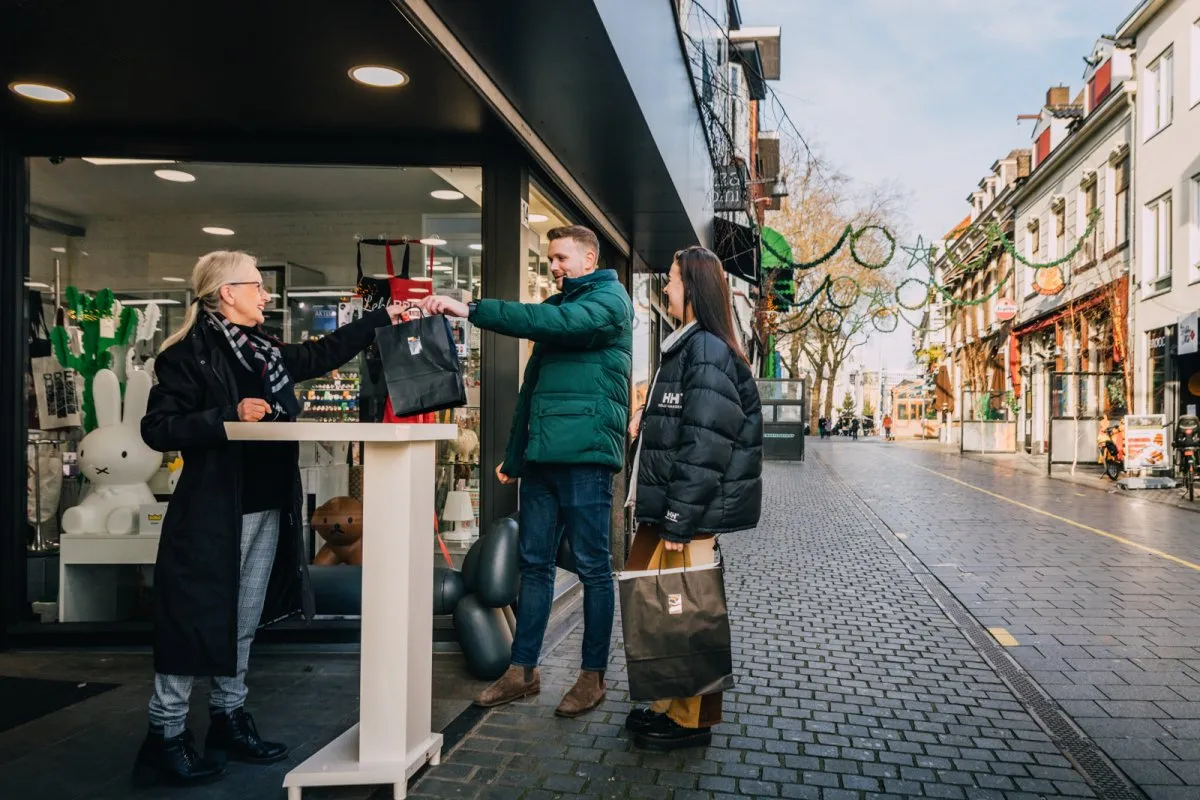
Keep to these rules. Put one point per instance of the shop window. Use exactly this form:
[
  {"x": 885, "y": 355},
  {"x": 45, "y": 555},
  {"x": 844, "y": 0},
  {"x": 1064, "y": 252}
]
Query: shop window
[{"x": 139, "y": 235}]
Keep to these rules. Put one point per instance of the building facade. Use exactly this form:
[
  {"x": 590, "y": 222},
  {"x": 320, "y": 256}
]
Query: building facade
[
  {"x": 1166, "y": 215},
  {"x": 1069, "y": 354},
  {"x": 975, "y": 275}
]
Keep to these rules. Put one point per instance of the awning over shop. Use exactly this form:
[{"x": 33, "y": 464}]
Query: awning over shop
[
  {"x": 738, "y": 248},
  {"x": 1089, "y": 301}
]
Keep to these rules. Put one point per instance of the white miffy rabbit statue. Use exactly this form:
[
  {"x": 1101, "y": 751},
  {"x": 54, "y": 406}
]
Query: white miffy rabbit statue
[{"x": 115, "y": 459}]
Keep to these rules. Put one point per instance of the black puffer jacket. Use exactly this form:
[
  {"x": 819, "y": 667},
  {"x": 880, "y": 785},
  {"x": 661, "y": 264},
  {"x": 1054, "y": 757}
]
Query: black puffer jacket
[{"x": 699, "y": 463}]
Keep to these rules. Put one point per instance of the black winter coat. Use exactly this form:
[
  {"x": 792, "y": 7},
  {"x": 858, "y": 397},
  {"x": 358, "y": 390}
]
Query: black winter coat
[
  {"x": 700, "y": 456},
  {"x": 199, "y": 551}
]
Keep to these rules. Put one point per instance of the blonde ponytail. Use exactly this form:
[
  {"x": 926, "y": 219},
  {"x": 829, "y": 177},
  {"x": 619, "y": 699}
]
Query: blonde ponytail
[{"x": 211, "y": 272}]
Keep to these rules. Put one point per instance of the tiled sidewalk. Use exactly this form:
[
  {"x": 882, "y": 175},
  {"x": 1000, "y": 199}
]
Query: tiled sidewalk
[{"x": 852, "y": 683}]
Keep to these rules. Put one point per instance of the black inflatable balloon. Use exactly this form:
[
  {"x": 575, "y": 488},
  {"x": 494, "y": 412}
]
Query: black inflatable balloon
[
  {"x": 447, "y": 590},
  {"x": 470, "y": 567},
  {"x": 499, "y": 569},
  {"x": 484, "y": 637}
]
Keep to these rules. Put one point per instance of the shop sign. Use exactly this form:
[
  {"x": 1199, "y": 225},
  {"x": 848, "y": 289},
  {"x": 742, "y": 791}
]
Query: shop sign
[
  {"x": 1188, "y": 329},
  {"x": 1005, "y": 309},
  {"x": 1158, "y": 342},
  {"x": 1049, "y": 281},
  {"x": 729, "y": 188},
  {"x": 1146, "y": 443}
]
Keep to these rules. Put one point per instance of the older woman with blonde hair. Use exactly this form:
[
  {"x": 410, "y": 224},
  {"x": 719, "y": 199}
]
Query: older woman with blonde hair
[{"x": 230, "y": 556}]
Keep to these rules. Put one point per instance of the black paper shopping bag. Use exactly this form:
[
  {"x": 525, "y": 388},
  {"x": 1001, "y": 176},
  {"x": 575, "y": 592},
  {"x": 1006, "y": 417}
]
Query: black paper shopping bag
[
  {"x": 420, "y": 365},
  {"x": 677, "y": 637}
]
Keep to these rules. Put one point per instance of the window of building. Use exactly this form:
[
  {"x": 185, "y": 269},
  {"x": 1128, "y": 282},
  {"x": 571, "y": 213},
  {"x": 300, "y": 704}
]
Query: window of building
[
  {"x": 1120, "y": 176},
  {"x": 1157, "y": 252},
  {"x": 1195, "y": 234},
  {"x": 1060, "y": 231},
  {"x": 1087, "y": 205},
  {"x": 1160, "y": 93},
  {"x": 1195, "y": 62}
]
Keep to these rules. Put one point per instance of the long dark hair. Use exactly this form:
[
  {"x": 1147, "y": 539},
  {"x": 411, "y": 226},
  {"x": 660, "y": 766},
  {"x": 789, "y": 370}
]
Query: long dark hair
[{"x": 705, "y": 288}]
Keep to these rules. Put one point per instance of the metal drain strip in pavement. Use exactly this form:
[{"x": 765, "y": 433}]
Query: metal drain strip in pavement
[{"x": 1108, "y": 781}]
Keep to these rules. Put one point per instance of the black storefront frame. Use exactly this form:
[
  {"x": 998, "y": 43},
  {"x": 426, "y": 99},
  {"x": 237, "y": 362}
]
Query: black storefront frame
[{"x": 506, "y": 169}]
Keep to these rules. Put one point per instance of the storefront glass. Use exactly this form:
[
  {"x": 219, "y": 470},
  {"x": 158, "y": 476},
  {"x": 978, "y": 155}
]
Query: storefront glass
[
  {"x": 136, "y": 230},
  {"x": 1160, "y": 373}
]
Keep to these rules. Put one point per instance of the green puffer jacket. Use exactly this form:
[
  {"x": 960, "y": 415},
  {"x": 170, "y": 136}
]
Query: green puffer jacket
[{"x": 574, "y": 403}]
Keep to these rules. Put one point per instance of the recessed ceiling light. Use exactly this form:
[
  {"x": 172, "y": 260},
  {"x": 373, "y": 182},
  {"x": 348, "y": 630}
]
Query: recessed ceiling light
[
  {"x": 175, "y": 175},
  {"x": 58, "y": 249},
  {"x": 36, "y": 285},
  {"x": 446, "y": 194},
  {"x": 41, "y": 92},
  {"x": 173, "y": 279},
  {"x": 443, "y": 269},
  {"x": 433, "y": 241},
  {"x": 121, "y": 162},
  {"x": 218, "y": 231},
  {"x": 373, "y": 75},
  {"x": 476, "y": 246},
  {"x": 538, "y": 218}
]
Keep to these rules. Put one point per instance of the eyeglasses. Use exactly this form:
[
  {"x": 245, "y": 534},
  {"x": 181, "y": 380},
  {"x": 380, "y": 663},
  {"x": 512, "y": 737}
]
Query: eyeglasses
[{"x": 261, "y": 289}]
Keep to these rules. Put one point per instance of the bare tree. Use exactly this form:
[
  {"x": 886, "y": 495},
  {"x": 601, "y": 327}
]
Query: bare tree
[{"x": 838, "y": 301}]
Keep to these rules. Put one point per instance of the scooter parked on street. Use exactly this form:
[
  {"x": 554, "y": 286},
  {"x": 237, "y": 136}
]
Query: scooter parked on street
[{"x": 1111, "y": 444}]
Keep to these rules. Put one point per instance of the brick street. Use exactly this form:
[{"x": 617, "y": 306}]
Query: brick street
[{"x": 859, "y": 677}]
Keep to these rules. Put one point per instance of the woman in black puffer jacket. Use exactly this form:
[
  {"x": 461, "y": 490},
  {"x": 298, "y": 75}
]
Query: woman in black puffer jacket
[{"x": 698, "y": 468}]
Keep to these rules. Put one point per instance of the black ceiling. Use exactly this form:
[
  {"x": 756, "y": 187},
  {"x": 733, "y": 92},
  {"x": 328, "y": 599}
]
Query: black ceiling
[
  {"x": 228, "y": 66},
  {"x": 606, "y": 86}
]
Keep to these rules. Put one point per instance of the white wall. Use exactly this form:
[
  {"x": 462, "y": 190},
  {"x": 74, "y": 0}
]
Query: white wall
[{"x": 1165, "y": 162}]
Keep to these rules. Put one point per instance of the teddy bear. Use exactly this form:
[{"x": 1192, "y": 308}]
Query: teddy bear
[{"x": 339, "y": 522}]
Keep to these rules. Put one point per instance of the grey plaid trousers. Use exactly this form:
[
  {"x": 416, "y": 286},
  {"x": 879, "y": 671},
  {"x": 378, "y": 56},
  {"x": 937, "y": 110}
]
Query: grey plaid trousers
[{"x": 169, "y": 705}]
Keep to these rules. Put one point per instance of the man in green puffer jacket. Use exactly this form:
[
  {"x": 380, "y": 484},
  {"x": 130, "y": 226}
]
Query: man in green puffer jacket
[{"x": 567, "y": 440}]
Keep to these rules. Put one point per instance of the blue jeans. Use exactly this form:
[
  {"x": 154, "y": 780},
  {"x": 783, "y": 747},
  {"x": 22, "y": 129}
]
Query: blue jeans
[{"x": 580, "y": 495}]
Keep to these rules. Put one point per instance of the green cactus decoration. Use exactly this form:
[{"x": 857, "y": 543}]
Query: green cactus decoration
[{"x": 90, "y": 314}]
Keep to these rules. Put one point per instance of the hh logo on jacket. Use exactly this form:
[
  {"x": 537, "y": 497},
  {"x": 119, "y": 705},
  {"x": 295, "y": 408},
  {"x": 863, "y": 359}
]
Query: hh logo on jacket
[
  {"x": 673, "y": 516},
  {"x": 673, "y": 400}
]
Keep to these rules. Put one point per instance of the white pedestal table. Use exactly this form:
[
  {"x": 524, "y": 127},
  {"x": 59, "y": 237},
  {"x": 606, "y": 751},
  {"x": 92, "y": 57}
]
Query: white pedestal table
[{"x": 393, "y": 737}]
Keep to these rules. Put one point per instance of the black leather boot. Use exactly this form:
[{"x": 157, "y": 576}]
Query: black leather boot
[
  {"x": 172, "y": 761},
  {"x": 233, "y": 735},
  {"x": 663, "y": 733}
]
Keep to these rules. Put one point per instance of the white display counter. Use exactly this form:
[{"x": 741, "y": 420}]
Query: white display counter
[{"x": 393, "y": 737}]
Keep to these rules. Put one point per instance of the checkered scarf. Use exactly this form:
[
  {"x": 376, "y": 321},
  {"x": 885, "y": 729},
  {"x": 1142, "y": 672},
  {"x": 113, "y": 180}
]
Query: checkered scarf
[{"x": 259, "y": 353}]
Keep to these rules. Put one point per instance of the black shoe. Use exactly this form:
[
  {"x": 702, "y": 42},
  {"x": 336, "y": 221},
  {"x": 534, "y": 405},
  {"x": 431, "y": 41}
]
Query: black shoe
[
  {"x": 641, "y": 719},
  {"x": 172, "y": 761},
  {"x": 233, "y": 735},
  {"x": 665, "y": 734}
]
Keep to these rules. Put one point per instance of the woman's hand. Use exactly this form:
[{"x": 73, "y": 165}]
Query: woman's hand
[
  {"x": 500, "y": 476},
  {"x": 635, "y": 423},
  {"x": 674, "y": 547},
  {"x": 253, "y": 409},
  {"x": 437, "y": 304}
]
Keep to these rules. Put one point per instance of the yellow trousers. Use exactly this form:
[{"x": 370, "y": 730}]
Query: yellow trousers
[{"x": 647, "y": 552}]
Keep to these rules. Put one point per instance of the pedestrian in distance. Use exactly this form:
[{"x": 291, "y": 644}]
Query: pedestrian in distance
[
  {"x": 698, "y": 464},
  {"x": 231, "y": 555},
  {"x": 566, "y": 442},
  {"x": 887, "y": 427}
]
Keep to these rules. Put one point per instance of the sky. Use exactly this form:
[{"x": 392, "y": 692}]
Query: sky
[{"x": 924, "y": 94}]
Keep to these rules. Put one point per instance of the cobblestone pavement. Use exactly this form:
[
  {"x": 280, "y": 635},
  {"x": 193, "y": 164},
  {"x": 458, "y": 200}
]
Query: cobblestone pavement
[
  {"x": 1100, "y": 592},
  {"x": 852, "y": 683}
]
